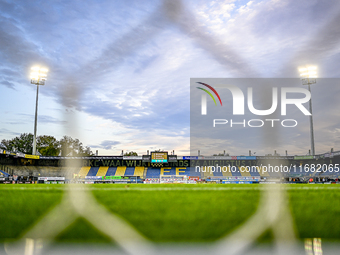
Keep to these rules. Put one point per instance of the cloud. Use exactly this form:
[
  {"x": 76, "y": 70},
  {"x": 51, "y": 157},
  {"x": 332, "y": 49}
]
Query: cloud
[
  {"x": 107, "y": 145},
  {"x": 130, "y": 63},
  {"x": 5, "y": 131},
  {"x": 50, "y": 119},
  {"x": 7, "y": 84},
  {"x": 29, "y": 118}
]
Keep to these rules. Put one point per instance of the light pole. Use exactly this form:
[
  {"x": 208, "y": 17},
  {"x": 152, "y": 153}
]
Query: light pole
[
  {"x": 308, "y": 77},
  {"x": 38, "y": 77}
]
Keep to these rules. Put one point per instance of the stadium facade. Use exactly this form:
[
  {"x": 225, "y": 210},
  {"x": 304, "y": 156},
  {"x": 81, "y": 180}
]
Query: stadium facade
[{"x": 130, "y": 169}]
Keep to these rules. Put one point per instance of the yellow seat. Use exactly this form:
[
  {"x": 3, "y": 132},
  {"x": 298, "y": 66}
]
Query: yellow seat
[
  {"x": 244, "y": 171},
  {"x": 102, "y": 171},
  {"x": 261, "y": 172},
  {"x": 226, "y": 171},
  {"x": 84, "y": 171},
  {"x": 139, "y": 171},
  {"x": 120, "y": 171}
]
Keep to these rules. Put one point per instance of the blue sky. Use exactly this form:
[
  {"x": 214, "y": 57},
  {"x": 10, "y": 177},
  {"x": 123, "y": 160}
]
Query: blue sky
[{"x": 119, "y": 71}]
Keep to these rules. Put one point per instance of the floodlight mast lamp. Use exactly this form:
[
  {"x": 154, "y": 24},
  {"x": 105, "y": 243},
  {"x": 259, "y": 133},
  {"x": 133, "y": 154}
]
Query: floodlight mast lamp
[
  {"x": 38, "y": 77},
  {"x": 308, "y": 77}
]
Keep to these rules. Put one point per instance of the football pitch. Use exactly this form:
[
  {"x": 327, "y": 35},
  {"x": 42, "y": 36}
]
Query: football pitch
[{"x": 172, "y": 213}]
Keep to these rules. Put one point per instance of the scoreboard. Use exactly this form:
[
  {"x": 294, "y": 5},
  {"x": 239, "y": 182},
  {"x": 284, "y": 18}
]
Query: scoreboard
[{"x": 159, "y": 157}]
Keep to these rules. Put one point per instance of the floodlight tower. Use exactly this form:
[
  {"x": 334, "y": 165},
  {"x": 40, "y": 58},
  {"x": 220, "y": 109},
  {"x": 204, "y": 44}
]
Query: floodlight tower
[
  {"x": 38, "y": 77},
  {"x": 308, "y": 77}
]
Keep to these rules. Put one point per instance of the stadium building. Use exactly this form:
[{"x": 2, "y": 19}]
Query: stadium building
[{"x": 163, "y": 168}]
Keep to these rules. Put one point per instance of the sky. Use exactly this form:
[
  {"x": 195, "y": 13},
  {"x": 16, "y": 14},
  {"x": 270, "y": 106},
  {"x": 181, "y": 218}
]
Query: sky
[{"x": 119, "y": 71}]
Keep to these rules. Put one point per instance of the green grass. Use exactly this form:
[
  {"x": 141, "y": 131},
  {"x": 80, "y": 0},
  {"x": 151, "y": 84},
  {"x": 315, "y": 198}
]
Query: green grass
[
  {"x": 20, "y": 209},
  {"x": 171, "y": 213},
  {"x": 316, "y": 213}
]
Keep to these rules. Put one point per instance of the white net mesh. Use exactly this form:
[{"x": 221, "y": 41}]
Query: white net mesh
[{"x": 78, "y": 201}]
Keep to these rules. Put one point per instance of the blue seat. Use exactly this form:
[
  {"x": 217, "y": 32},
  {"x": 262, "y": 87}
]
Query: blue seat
[{"x": 111, "y": 171}]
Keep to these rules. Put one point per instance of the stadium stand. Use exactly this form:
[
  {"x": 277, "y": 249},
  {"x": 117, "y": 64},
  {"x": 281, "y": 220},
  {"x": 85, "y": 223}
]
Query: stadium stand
[
  {"x": 139, "y": 171},
  {"x": 300, "y": 168},
  {"x": 2, "y": 173},
  {"x": 102, "y": 171},
  {"x": 120, "y": 171},
  {"x": 262, "y": 172},
  {"x": 182, "y": 171},
  {"x": 84, "y": 170},
  {"x": 206, "y": 172},
  {"x": 111, "y": 171},
  {"x": 129, "y": 171},
  {"x": 145, "y": 172},
  {"x": 167, "y": 171},
  {"x": 244, "y": 171},
  {"x": 227, "y": 173},
  {"x": 254, "y": 172},
  {"x": 153, "y": 173},
  {"x": 237, "y": 172},
  {"x": 150, "y": 172},
  {"x": 233, "y": 171},
  {"x": 93, "y": 171},
  {"x": 218, "y": 174},
  {"x": 329, "y": 172}
]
